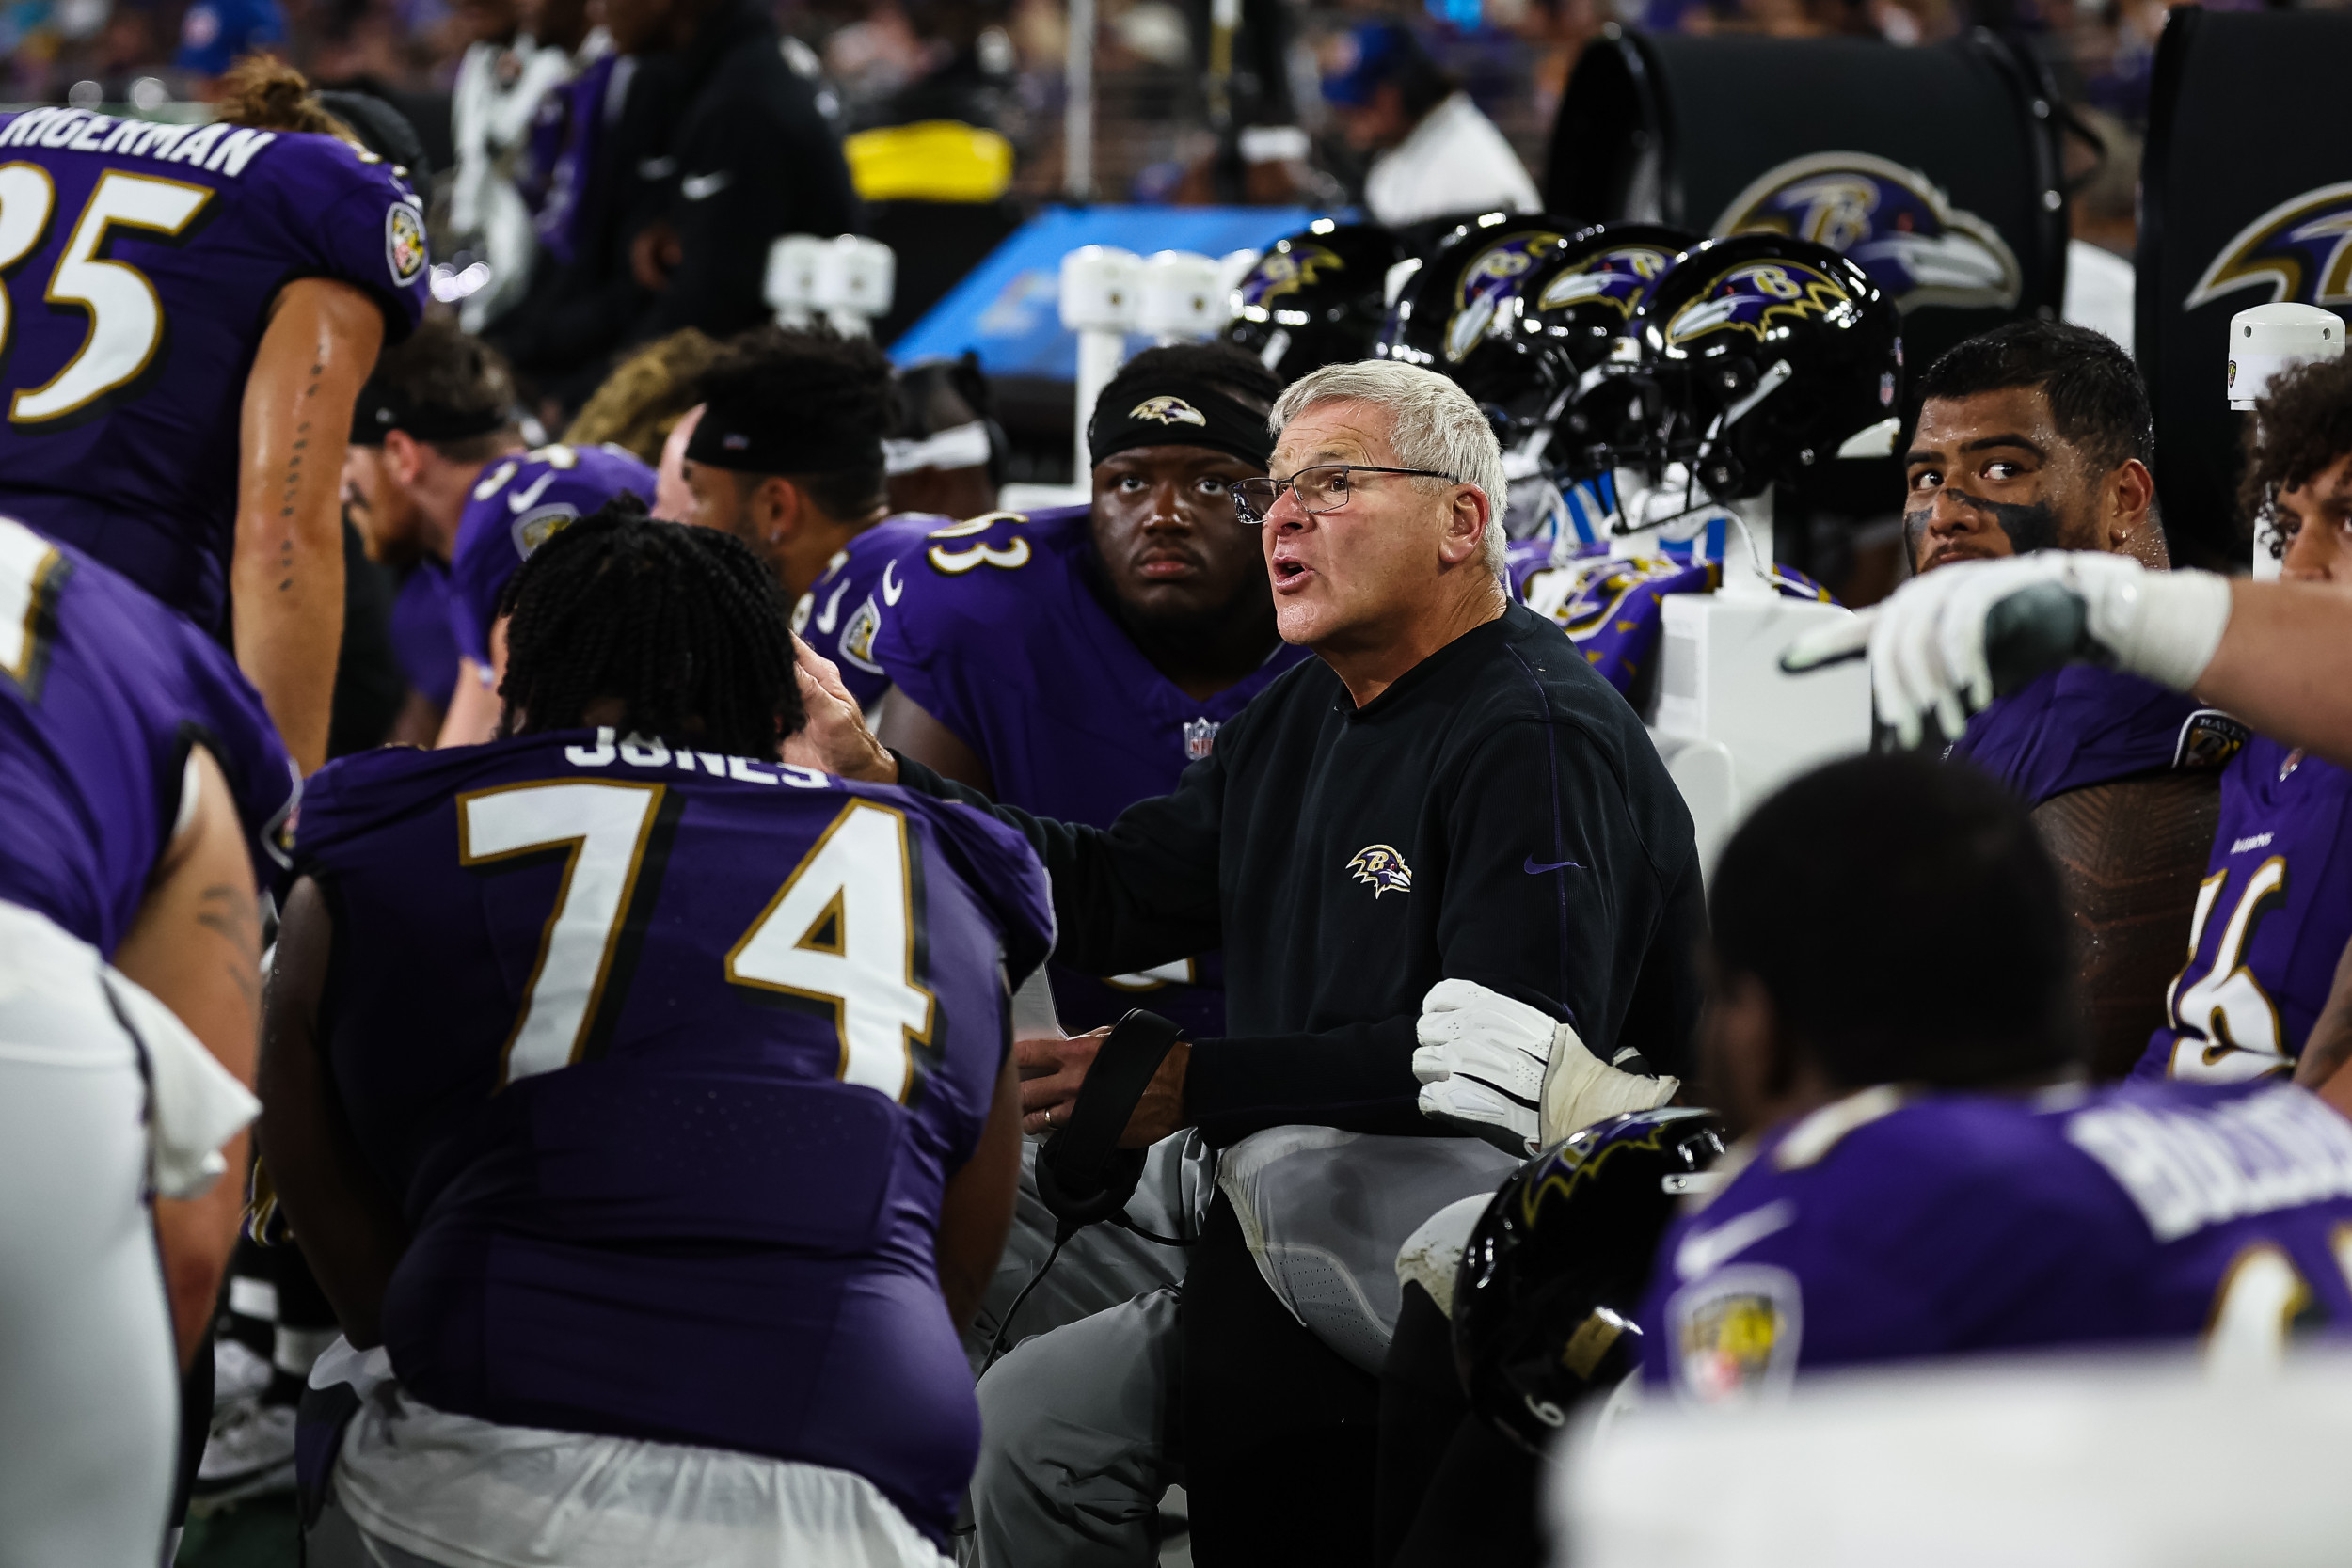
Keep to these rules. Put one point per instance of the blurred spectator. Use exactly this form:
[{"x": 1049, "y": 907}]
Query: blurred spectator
[
  {"x": 1437, "y": 153},
  {"x": 214, "y": 32},
  {"x": 750, "y": 158},
  {"x": 609, "y": 126},
  {"x": 501, "y": 80},
  {"x": 2099, "y": 278},
  {"x": 932, "y": 163}
]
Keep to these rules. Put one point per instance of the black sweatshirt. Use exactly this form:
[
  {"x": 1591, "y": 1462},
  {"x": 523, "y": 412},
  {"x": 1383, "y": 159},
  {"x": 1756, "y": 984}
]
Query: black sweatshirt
[{"x": 1497, "y": 814}]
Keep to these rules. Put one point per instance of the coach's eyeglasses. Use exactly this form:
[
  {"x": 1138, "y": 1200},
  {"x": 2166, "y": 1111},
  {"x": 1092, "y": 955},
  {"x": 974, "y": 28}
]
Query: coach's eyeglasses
[{"x": 1322, "y": 489}]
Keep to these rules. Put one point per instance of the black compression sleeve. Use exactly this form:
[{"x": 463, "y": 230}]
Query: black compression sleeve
[
  {"x": 1357, "y": 1078},
  {"x": 1139, "y": 893}
]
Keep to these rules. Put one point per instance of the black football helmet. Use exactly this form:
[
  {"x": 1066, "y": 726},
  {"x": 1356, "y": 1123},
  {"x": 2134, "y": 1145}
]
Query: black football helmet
[
  {"x": 1316, "y": 298},
  {"x": 1768, "y": 354},
  {"x": 1444, "y": 313},
  {"x": 1554, "y": 1272}
]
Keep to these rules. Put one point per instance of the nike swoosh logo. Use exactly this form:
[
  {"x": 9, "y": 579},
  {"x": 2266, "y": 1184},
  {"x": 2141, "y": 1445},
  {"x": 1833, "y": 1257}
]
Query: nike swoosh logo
[
  {"x": 833, "y": 609},
  {"x": 891, "y": 588},
  {"x": 696, "y": 186},
  {"x": 1705, "y": 1251},
  {"x": 1534, "y": 870},
  {"x": 523, "y": 500}
]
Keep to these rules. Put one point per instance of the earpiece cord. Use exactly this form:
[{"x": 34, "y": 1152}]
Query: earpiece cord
[{"x": 1004, "y": 1326}]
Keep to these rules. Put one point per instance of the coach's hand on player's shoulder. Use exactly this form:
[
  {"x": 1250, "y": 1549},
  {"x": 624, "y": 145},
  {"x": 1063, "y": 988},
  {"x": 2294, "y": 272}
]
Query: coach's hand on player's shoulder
[
  {"x": 835, "y": 740},
  {"x": 1053, "y": 1070}
]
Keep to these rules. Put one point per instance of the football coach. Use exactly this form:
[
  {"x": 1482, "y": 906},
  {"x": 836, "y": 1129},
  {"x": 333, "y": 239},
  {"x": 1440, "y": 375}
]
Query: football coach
[{"x": 1447, "y": 792}]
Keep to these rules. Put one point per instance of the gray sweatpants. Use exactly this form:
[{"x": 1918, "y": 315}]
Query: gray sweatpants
[
  {"x": 1073, "y": 1451},
  {"x": 1103, "y": 1265},
  {"x": 1072, "y": 1457}
]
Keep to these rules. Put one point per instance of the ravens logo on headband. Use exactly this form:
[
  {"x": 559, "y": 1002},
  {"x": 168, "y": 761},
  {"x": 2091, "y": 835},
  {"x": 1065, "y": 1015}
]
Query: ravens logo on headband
[
  {"x": 1167, "y": 410},
  {"x": 2301, "y": 249},
  {"x": 1893, "y": 220}
]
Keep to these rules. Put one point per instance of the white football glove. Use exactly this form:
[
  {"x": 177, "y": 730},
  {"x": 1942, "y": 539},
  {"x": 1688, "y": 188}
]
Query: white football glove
[
  {"x": 1928, "y": 643},
  {"x": 1513, "y": 1074}
]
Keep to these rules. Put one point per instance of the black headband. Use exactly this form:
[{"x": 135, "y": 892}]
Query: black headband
[
  {"x": 749, "y": 434},
  {"x": 380, "y": 411},
  {"x": 1175, "y": 411}
]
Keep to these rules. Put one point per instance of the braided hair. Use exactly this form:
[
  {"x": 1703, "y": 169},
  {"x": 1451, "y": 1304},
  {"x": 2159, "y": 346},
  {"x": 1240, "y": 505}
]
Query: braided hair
[{"x": 682, "y": 624}]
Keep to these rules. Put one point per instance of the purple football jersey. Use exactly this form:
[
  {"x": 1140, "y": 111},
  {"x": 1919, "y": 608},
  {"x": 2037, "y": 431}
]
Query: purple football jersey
[
  {"x": 101, "y": 693},
  {"x": 1611, "y": 606},
  {"x": 421, "y": 636},
  {"x": 995, "y": 632},
  {"x": 2271, "y": 922},
  {"x": 1888, "y": 1227},
  {"x": 2080, "y": 725},
  {"x": 670, "y": 1126},
  {"x": 517, "y": 502},
  {"x": 140, "y": 262},
  {"x": 839, "y": 615}
]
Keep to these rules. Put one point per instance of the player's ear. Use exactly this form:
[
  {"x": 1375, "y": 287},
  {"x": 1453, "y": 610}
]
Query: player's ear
[
  {"x": 405, "y": 454},
  {"x": 2128, "y": 496},
  {"x": 778, "y": 504}
]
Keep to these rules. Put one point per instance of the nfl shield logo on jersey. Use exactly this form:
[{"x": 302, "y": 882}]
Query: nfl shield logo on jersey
[
  {"x": 404, "y": 243},
  {"x": 1736, "y": 1333},
  {"x": 1200, "y": 738}
]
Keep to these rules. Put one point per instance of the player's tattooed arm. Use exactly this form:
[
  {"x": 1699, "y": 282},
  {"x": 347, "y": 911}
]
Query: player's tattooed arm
[
  {"x": 196, "y": 945},
  {"x": 287, "y": 573},
  {"x": 351, "y": 1230},
  {"x": 2130, "y": 855}
]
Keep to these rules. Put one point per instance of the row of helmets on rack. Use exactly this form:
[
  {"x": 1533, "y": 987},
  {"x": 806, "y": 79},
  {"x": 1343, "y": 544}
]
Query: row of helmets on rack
[{"x": 1643, "y": 381}]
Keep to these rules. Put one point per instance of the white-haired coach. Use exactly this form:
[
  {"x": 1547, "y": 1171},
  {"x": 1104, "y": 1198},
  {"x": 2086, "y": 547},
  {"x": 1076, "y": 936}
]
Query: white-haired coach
[{"x": 1447, "y": 792}]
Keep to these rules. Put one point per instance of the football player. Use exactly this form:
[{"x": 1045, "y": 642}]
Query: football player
[
  {"x": 438, "y": 473},
  {"x": 704, "y": 1141},
  {"x": 2037, "y": 436},
  {"x": 945, "y": 457},
  {"x": 2271, "y": 921},
  {"x": 190, "y": 312},
  {"x": 1922, "y": 1176},
  {"x": 1125, "y": 632},
  {"x": 140, "y": 777},
  {"x": 787, "y": 455}
]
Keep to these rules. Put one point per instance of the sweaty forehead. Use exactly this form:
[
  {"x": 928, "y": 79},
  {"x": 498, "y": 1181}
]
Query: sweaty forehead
[
  {"x": 1948, "y": 425},
  {"x": 1334, "y": 433}
]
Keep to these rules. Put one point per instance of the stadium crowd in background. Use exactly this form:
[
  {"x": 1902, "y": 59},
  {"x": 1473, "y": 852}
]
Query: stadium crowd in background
[
  {"x": 474, "y": 74},
  {"x": 1094, "y": 890}
]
